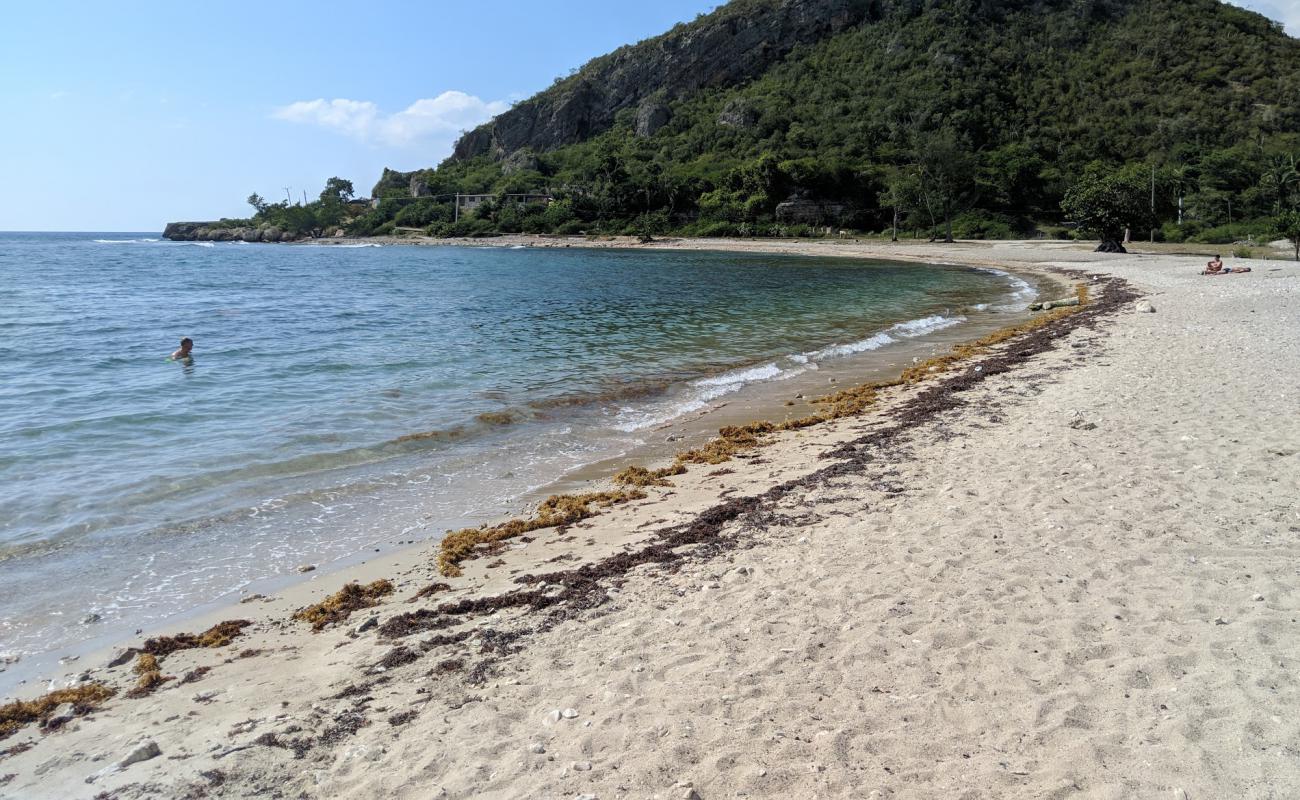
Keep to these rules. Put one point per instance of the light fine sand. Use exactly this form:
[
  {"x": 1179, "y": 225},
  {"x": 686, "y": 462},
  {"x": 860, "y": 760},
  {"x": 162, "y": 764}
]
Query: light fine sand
[{"x": 1080, "y": 581}]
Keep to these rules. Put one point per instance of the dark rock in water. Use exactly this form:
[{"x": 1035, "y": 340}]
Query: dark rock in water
[
  {"x": 726, "y": 48},
  {"x": 250, "y": 235},
  {"x": 185, "y": 231}
]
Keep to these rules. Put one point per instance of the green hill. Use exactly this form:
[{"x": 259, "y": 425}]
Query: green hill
[{"x": 768, "y": 116}]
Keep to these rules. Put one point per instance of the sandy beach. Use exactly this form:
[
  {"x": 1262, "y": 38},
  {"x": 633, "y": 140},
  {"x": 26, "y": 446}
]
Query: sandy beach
[{"x": 1064, "y": 566}]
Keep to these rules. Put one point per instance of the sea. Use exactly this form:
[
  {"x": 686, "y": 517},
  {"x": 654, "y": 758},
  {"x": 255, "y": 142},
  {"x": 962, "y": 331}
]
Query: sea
[{"x": 344, "y": 399}]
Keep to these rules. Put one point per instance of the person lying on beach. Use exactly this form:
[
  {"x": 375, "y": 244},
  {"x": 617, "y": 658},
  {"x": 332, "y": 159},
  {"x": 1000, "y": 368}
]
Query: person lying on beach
[
  {"x": 187, "y": 344},
  {"x": 1216, "y": 267}
]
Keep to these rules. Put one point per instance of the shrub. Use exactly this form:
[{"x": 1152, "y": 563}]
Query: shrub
[
  {"x": 987, "y": 225},
  {"x": 1252, "y": 231}
]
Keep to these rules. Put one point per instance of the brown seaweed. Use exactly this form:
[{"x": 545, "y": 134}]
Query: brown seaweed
[{"x": 339, "y": 606}]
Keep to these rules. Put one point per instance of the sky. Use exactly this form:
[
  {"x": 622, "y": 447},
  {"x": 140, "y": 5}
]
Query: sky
[{"x": 124, "y": 116}]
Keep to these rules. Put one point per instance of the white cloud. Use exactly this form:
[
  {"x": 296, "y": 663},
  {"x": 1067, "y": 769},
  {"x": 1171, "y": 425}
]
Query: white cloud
[{"x": 448, "y": 113}]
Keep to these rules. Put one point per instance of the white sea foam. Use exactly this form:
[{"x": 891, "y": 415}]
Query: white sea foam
[
  {"x": 1022, "y": 293},
  {"x": 742, "y": 376},
  {"x": 202, "y": 244},
  {"x": 124, "y": 241},
  {"x": 343, "y": 246},
  {"x": 699, "y": 394},
  {"x": 840, "y": 350},
  {"x": 905, "y": 330}
]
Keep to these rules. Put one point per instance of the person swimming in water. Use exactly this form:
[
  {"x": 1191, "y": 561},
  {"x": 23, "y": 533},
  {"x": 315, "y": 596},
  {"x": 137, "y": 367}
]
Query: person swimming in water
[{"x": 183, "y": 353}]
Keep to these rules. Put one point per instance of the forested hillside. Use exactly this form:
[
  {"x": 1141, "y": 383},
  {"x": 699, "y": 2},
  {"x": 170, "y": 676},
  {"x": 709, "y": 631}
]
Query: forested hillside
[{"x": 773, "y": 117}]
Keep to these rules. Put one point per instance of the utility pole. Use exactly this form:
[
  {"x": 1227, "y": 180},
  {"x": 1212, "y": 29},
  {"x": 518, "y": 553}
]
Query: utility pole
[
  {"x": 457, "y": 217},
  {"x": 304, "y": 197},
  {"x": 288, "y": 198}
]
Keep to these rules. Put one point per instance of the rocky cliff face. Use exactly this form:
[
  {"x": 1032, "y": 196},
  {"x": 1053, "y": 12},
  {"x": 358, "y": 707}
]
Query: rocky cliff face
[{"x": 733, "y": 44}]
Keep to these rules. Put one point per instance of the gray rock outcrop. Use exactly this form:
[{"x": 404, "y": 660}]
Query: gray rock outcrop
[
  {"x": 727, "y": 47},
  {"x": 804, "y": 211},
  {"x": 651, "y": 115}
]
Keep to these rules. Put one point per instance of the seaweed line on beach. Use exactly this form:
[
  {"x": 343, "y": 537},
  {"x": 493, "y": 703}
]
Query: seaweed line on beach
[
  {"x": 562, "y": 510},
  {"x": 567, "y": 594}
]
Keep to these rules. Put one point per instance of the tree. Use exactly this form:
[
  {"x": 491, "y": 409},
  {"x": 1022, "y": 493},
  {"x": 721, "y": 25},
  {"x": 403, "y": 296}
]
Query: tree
[
  {"x": 1288, "y": 223},
  {"x": 259, "y": 205},
  {"x": 901, "y": 195},
  {"x": 337, "y": 189},
  {"x": 947, "y": 177},
  {"x": 1105, "y": 202}
]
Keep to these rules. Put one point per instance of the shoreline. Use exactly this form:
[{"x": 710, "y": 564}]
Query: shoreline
[
  {"x": 290, "y": 659},
  {"x": 755, "y": 400}
]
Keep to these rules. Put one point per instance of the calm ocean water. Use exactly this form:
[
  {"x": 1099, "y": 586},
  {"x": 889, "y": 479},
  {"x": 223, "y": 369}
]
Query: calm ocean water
[{"x": 349, "y": 397}]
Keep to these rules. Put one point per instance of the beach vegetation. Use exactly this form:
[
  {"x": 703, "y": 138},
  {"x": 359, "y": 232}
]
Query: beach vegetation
[
  {"x": 1105, "y": 203},
  {"x": 991, "y": 115},
  {"x": 339, "y": 606},
  {"x": 84, "y": 699}
]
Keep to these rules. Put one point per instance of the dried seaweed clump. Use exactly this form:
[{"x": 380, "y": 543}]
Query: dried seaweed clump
[
  {"x": 340, "y": 605},
  {"x": 219, "y": 635},
  {"x": 84, "y": 699},
  {"x": 151, "y": 677},
  {"x": 557, "y": 510},
  {"x": 430, "y": 591},
  {"x": 641, "y": 477},
  {"x": 730, "y": 440}
]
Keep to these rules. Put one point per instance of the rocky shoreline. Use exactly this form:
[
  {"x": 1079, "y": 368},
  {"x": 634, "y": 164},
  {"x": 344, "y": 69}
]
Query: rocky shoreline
[{"x": 218, "y": 232}]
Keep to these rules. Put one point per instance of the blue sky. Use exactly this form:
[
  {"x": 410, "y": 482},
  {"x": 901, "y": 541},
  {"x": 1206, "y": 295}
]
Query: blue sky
[{"x": 123, "y": 116}]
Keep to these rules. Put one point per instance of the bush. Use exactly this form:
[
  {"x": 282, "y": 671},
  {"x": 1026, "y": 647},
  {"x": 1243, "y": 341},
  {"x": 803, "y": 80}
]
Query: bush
[
  {"x": 465, "y": 228},
  {"x": 986, "y": 225},
  {"x": 423, "y": 212},
  {"x": 1242, "y": 252},
  {"x": 1252, "y": 231},
  {"x": 1173, "y": 232}
]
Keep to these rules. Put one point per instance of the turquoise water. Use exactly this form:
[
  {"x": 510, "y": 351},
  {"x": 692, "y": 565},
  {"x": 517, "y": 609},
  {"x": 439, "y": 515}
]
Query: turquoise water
[{"x": 349, "y": 397}]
